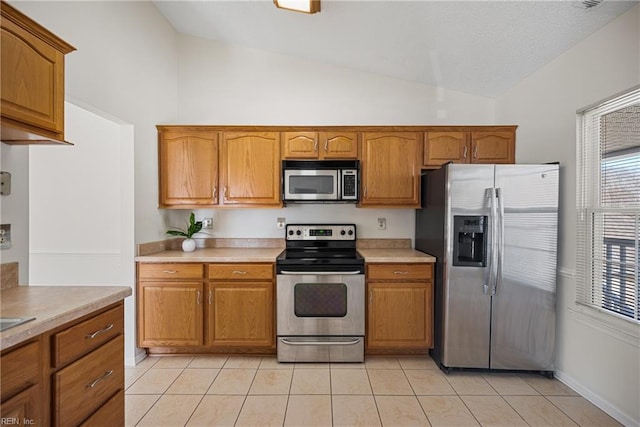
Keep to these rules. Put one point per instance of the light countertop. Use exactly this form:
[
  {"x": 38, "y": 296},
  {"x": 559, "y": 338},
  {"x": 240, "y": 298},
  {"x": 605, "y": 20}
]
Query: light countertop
[
  {"x": 52, "y": 306},
  {"x": 396, "y": 255},
  {"x": 215, "y": 255},
  {"x": 405, "y": 255}
]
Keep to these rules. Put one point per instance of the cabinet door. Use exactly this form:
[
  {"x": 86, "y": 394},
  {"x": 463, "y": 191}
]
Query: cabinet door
[
  {"x": 443, "y": 147},
  {"x": 170, "y": 314},
  {"x": 32, "y": 84},
  {"x": 26, "y": 405},
  {"x": 250, "y": 168},
  {"x": 399, "y": 315},
  {"x": 188, "y": 168},
  {"x": 299, "y": 145},
  {"x": 338, "y": 145},
  {"x": 390, "y": 170},
  {"x": 493, "y": 147},
  {"x": 241, "y": 314}
]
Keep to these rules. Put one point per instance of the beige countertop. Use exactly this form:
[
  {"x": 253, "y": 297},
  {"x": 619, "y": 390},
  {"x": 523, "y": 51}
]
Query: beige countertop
[
  {"x": 270, "y": 254},
  {"x": 52, "y": 306},
  {"x": 215, "y": 255},
  {"x": 405, "y": 255}
]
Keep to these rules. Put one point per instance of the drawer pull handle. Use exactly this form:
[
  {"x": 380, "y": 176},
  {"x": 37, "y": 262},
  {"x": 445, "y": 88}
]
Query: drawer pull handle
[
  {"x": 170, "y": 271},
  {"x": 239, "y": 272},
  {"x": 95, "y": 382},
  {"x": 96, "y": 333},
  {"x": 400, "y": 272}
]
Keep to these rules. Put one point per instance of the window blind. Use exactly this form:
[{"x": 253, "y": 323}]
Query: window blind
[{"x": 608, "y": 205}]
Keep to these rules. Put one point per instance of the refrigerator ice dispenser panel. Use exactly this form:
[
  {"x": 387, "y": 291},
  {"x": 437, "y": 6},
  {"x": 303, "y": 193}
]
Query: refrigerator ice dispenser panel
[{"x": 470, "y": 241}]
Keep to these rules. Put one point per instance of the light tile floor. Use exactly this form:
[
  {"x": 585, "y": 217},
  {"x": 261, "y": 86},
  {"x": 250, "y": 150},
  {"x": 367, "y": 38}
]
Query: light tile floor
[{"x": 384, "y": 391}]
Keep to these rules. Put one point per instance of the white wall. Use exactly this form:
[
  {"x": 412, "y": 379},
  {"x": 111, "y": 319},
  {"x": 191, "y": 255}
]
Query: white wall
[
  {"x": 225, "y": 84},
  {"x": 90, "y": 242},
  {"x": 14, "y": 208},
  {"x": 601, "y": 362}
]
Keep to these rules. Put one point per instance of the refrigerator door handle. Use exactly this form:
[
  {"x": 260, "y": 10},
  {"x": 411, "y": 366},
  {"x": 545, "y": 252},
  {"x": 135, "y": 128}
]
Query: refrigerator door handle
[
  {"x": 500, "y": 241},
  {"x": 489, "y": 276}
]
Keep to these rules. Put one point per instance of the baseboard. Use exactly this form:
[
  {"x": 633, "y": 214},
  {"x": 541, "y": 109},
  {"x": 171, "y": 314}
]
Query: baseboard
[
  {"x": 597, "y": 400},
  {"x": 140, "y": 355}
]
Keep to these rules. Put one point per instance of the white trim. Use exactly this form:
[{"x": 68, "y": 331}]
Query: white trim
[
  {"x": 625, "y": 330},
  {"x": 137, "y": 358},
  {"x": 597, "y": 400}
]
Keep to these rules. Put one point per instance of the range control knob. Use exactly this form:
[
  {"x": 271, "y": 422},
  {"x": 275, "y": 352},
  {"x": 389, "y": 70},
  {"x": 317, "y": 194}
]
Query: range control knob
[
  {"x": 342, "y": 232},
  {"x": 298, "y": 232},
  {"x": 350, "y": 232},
  {"x": 290, "y": 232}
]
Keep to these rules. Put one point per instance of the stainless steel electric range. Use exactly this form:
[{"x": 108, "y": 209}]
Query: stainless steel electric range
[{"x": 320, "y": 295}]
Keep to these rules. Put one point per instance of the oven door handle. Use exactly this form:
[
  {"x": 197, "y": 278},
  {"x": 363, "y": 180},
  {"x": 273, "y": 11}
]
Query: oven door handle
[
  {"x": 350, "y": 342},
  {"x": 320, "y": 273}
]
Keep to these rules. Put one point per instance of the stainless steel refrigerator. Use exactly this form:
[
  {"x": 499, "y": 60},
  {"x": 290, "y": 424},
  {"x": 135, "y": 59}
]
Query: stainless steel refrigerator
[{"x": 493, "y": 230}]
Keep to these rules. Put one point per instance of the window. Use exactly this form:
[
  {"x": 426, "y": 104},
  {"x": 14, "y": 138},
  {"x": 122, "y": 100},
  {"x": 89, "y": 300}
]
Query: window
[{"x": 608, "y": 205}]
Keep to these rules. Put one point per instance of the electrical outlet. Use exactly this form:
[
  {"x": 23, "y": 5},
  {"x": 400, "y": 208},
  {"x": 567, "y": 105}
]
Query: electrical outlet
[
  {"x": 207, "y": 223},
  {"x": 281, "y": 223},
  {"x": 5, "y": 236},
  {"x": 382, "y": 223}
]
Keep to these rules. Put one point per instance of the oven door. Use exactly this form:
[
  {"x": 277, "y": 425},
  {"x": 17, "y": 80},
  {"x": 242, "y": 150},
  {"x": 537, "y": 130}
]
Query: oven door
[
  {"x": 310, "y": 184},
  {"x": 320, "y": 304}
]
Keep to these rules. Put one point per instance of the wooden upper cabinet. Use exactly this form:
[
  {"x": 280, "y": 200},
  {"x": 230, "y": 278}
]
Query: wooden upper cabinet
[
  {"x": 443, "y": 147},
  {"x": 319, "y": 145},
  {"x": 32, "y": 84},
  {"x": 188, "y": 168},
  {"x": 469, "y": 147},
  {"x": 390, "y": 171},
  {"x": 250, "y": 168},
  {"x": 299, "y": 145},
  {"x": 493, "y": 147}
]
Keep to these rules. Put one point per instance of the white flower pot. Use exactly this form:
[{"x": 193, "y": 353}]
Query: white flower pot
[{"x": 188, "y": 245}]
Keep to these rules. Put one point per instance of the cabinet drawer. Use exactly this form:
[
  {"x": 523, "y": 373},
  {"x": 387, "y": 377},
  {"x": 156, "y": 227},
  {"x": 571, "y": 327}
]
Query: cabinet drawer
[
  {"x": 241, "y": 271},
  {"x": 171, "y": 271},
  {"x": 110, "y": 414},
  {"x": 20, "y": 369},
  {"x": 86, "y": 384},
  {"x": 399, "y": 271},
  {"x": 84, "y": 337}
]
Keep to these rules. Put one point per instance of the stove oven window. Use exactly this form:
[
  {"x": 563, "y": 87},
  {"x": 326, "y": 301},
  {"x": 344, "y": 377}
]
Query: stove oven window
[{"x": 320, "y": 299}]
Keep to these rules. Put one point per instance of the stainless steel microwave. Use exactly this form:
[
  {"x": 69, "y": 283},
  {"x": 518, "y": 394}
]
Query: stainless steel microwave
[{"x": 320, "y": 181}]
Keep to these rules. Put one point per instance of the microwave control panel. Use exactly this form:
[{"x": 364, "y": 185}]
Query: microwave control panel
[{"x": 349, "y": 184}]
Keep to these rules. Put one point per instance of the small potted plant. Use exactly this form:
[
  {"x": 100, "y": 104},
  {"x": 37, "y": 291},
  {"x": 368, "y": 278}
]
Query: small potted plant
[{"x": 188, "y": 244}]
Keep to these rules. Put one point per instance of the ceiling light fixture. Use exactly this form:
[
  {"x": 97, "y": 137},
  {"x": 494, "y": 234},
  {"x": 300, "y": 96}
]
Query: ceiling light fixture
[{"x": 305, "y": 6}]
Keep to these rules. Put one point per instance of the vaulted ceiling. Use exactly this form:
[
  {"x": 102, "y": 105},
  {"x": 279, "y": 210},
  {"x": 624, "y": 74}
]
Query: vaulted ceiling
[{"x": 477, "y": 47}]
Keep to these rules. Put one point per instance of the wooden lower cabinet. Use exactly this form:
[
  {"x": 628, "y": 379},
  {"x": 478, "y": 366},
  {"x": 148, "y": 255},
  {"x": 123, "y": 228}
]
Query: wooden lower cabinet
[
  {"x": 200, "y": 306},
  {"x": 170, "y": 314},
  {"x": 399, "y": 307},
  {"x": 26, "y": 405},
  {"x": 68, "y": 376},
  {"x": 241, "y": 314},
  {"x": 21, "y": 384}
]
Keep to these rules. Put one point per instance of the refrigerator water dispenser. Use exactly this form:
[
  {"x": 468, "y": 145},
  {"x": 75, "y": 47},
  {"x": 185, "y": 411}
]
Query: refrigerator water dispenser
[{"x": 470, "y": 241}]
